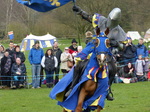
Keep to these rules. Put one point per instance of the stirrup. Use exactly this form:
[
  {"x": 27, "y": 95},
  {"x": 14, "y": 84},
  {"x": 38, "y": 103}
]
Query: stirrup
[{"x": 110, "y": 98}]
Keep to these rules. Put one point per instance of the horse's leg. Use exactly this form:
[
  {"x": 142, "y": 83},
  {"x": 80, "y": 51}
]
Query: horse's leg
[
  {"x": 112, "y": 72},
  {"x": 81, "y": 98},
  {"x": 99, "y": 108},
  {"x": 64, "y": 110},
  {"x": 88, "y": 88}
]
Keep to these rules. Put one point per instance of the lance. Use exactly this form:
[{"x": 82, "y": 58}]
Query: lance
[{"x": 74, "y": 3}]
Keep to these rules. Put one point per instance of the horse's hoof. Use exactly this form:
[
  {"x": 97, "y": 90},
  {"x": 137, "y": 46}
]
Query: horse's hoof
[{"x": 68, "y": 93}]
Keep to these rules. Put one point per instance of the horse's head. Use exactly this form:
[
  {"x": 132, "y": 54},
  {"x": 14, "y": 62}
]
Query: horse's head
[
  {"x": 101, "y": 58},
  {"x": 102, "y": 50}
]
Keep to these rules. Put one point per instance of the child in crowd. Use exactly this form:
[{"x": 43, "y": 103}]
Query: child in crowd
[
  {"x": 139, "y": 67},
  {"x": 146, "y": 67}
]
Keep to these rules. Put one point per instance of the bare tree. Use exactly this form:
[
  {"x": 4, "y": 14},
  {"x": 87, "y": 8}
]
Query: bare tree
[{"x": 63, "y": 21}]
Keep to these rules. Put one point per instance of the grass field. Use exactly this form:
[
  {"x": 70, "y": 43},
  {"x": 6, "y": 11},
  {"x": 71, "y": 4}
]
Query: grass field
[{"x": 128, "y": 98}]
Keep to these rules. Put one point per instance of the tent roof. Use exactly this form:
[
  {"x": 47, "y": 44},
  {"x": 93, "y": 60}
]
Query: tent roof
[
  {"x": 44, "y": 37},
  {"x": 134, "y": 35},
  {"x": 45, "y": 41},
  {"x": 147, "y": 34}
]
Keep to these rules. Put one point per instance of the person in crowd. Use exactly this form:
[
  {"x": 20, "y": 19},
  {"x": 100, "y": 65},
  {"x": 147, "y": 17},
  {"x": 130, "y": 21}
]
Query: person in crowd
[
  {"x": 88, "y": 36},
  {"x": 146, "y": 67},
  {"x": 139, "y": 67},
  {"x": 127, "y": 72},
  {"x": 88, "y": 39},
  {"x": 148, "y": 75},
  {"x": 79, "y": 49},
  {"x": 6, "y": 63},
  {"x": 141, "y": 49},
  {"x": 18, "y": 72},
  {"x": 65, "y": 57},
  {"x": 1, "y": 52},
  {"x": 129, "y": 52},
  {"x": 57, "y": 52},
  {"x": 1, "y": 56},
  {"x": 41, "y": 75},
  {"x": 35, "y": 57},
  {"x": 49, "y": 63},
  {"x": 73, "y": 48},
  {"x": 2, "y": 49},
  {"x": 118, "y": 55},
  {"x": 18, "y": 54},
  {"x": 11, "y": 48},
  {"x": 149, "y": 49}
]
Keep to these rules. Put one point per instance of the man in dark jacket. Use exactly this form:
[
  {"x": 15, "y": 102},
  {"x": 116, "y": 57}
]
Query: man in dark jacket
[
  {"x": 129, "y": 52},
  {"x": 73, "y": 48},
  {"x": 11, "y": 48},
  {"x": 18, "y": 71},
  {"x": 6, "y": 63},
  {"x": 18, "y": 54},
  {"x": 57, "y": 52}
]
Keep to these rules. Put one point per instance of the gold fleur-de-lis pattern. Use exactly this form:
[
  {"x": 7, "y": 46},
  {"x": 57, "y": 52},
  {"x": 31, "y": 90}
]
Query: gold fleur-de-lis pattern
[{"x": 54, "y": 2}]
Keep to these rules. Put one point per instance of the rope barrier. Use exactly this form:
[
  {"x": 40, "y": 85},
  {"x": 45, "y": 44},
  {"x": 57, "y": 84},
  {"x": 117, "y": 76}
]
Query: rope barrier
[
  {"x": 30, "y": 77},
  {"x": 27, "y": 77}
]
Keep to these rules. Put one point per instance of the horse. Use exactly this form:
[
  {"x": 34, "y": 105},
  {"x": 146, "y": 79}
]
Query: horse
[
  {"x": 92, "y": 84},
  {"x": 89, "y": 87}
]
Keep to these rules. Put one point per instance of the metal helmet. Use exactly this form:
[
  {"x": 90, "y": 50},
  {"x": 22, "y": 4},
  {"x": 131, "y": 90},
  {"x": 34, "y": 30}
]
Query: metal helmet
[{"x": 113, "y": 18}]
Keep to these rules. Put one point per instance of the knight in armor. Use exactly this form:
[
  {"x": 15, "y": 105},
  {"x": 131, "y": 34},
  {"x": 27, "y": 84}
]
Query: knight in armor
[
  {"x": 111, "y": 23},
  {"x": 105, "y": 29},
  {"x": 116, "y": 35},
  {"x": 85, "y": 69}
]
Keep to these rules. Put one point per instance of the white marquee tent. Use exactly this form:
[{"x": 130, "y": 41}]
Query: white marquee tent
[
  {"x": 147, "y": 34},
  {"x": 134, "y": 35},
  {"x": 45, "y": 41}
]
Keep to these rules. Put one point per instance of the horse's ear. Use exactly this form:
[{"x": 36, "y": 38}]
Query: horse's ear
[
  {"x": 97, "y": 31},
  {"x": 107, "y": 31}
]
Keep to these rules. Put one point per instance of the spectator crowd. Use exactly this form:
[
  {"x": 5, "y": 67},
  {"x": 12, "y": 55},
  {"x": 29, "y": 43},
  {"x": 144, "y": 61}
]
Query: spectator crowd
[{"x": 132, "y": 62}]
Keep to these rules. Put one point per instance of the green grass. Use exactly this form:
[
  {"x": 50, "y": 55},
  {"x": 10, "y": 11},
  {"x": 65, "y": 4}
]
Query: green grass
[
  {"x": 27, "y": 100},
  {"x": 128, "y": 98}
]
